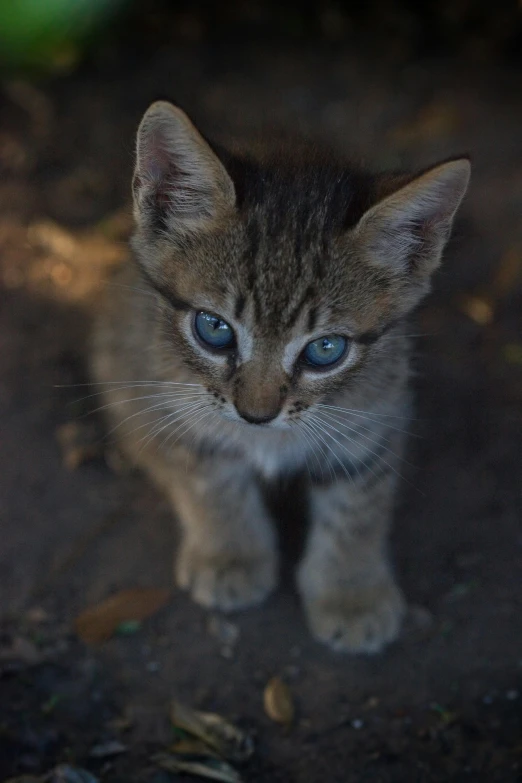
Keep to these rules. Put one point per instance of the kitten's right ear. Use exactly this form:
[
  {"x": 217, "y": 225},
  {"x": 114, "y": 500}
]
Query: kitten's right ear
[{"x": 180, "y": 186}]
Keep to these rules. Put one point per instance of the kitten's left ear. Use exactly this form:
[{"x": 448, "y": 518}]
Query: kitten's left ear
[
  {"x": 180, "y": 186},
  {"x": 406, "y": 232}
]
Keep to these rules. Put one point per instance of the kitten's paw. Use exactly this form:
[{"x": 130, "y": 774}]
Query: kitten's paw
[
  {"x": 357, "y": 621},
  {"x": 224, "y": 581}
]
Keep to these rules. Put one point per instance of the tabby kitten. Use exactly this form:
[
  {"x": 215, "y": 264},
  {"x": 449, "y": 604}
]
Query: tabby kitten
[{"x": 261, "y": 333}]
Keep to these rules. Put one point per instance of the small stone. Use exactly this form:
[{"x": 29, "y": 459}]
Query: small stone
[
  {"x": 512, "y": 695},
  {"x": 153, "y": 666},
  {"x": 357, "y": 724}
]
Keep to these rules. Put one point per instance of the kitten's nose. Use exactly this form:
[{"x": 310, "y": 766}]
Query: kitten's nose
[
  {"x": 258, "y": 394},
  {"x": 253, "y": 419}
]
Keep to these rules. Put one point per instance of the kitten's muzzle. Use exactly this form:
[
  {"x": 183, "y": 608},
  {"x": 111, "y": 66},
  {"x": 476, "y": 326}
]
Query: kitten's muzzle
[{"x": 253, "y": 419}]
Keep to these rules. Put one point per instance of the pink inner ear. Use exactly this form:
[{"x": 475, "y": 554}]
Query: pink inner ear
[{"x": 154, "y": 162}]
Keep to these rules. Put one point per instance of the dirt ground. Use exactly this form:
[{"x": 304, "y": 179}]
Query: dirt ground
[{"x": 444, "y": 703}]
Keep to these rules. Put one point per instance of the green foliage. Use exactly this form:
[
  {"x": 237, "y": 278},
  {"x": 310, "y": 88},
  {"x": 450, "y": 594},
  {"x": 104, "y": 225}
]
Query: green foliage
[{"x": 47, "y": 34}]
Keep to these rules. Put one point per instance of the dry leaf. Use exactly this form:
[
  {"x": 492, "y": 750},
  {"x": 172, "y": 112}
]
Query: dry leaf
[
  {"x": 106, "y": 749},
  {"x": 191, "y": 746},
  {"x": 229, "y": 741},
  {"x": 279, "y": 705},
  {"x": 210, "y": 768},
  {"x": 99, "y": 623}
]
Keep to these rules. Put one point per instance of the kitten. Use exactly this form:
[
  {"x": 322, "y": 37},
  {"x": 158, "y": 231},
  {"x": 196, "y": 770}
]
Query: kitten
[{"x": 260, "y": 333}]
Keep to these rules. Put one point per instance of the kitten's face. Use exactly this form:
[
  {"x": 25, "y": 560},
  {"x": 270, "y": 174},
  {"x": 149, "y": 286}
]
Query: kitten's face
[
  {"x": 277, "y": 282},
  {"x": 269, "y": 348}
]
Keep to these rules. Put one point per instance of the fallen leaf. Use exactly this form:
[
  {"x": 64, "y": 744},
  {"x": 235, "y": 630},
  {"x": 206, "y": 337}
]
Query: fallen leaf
[
  {"x": 278, "y": 701},
  {"x": 106, "y": 749},
  {"x": 191, "y": 746},
  {"x": 99, "y": 623},
  {"x": 229, "y": 741},
  {"x": 210, "y": 768}
]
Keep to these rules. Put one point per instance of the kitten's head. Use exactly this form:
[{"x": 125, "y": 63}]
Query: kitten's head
[{"x": 279, "y": 279}]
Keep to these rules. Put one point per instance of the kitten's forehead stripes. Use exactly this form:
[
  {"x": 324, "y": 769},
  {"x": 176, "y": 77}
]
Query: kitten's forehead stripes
[
  {"x": 294, "y": 313},
  {"x": 239, "y": 306},
  {"x": 167, "y": 292},
  {"x": 312, "y": 319}
]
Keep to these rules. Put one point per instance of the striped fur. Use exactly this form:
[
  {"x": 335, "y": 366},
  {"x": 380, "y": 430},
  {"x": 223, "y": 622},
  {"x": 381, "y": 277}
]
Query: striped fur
[{"x": 286, "y": 249}]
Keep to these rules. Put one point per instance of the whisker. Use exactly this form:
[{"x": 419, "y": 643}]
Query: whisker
[
  {"x": 376, "y": 454},
  {"x": 308, "y": 445},
  {"x": 215, "y": 421},
  {"x": 171, "y": 418},
  {"x": 164, "y": 397},
  {"x": 366, "y": 413},
  {"x": 350, "y": 454},
  {"x": 119, "y": 383},
  {"x": 150, "y": 409},
  {"x": 184, "y": 432},
  {"x": 369, "y": 419},
  {"x": 342, "y": 423},
  {"x": 343, "y": 446},
  {"x": 311, "y": 423},
  {"x": 124, "y": 387},
  {"x": 324, "y": 456}
]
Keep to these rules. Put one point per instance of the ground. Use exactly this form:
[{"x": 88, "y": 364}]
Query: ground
[{"x": 442, "y": 704}]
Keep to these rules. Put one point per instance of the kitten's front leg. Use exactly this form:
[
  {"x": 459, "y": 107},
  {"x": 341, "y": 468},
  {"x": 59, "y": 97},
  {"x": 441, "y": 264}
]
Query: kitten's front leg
[
  {"x": 349, "y": 593},
  {"x": 228, "y": 556}
]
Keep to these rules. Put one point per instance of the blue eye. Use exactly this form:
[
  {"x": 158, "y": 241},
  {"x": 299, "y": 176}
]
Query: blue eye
[
  {"x": 213, "y": 331},
  {"x": 326, "y": 350}
]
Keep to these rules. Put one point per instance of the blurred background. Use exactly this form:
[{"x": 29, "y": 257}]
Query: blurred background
[{"x": 391, "y": 84}]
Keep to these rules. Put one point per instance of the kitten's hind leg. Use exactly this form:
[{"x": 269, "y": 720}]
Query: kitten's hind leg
[
  {"x": 345, "y": 579},
  {"x": 227, "y": 557}
]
